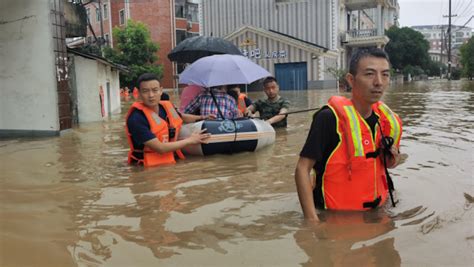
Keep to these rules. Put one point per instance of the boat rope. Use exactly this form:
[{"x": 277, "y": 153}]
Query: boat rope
[{"x": 292, "y": 112}]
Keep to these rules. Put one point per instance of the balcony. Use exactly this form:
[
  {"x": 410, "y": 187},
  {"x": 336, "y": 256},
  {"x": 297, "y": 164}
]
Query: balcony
[
  {"x": 366, "y": 4},
  {"x": 366, "y": 37}
]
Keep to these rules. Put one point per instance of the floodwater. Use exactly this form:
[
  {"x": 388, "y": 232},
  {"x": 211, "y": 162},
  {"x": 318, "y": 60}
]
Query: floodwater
[{"x": 73, "y": 201}]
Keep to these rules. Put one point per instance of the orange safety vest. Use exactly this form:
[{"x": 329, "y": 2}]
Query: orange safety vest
[
  {"x": 351, "y": 180},
  {"x": 241, "y": 103},
  {"x": 160, "y": 128},
  {"x": 135, "y": 92}
]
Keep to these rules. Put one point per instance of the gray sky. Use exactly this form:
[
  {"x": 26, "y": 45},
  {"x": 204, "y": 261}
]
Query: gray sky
[{"x": 430, "y": 12}]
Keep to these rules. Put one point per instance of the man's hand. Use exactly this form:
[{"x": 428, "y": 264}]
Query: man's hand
[
  {"x": 394, "y": 159},
  {"x": 209, "y": 117},
  {"x": 304, "y": 187},
  {"x": 199, "y": 137}
]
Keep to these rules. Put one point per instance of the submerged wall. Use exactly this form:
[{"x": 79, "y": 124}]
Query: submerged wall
[
  {"x": 28, "y": 102},
  {"x": 91, "y": 75}
]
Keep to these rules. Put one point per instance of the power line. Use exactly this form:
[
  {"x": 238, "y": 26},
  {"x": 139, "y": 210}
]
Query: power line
[
  {"x": 464, "y": 11},
  {"x": 464, "y": 26}
]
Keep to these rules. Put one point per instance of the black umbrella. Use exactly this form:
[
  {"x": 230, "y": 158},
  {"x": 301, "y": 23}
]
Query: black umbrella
[{"x": 194, "y": 48}]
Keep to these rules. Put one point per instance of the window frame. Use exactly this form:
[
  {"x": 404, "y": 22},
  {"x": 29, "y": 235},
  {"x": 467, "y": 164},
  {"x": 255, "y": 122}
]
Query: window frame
[
  {"x": 121, "y": 17},
  {"x": 97, "y": 14},
  {"x": 105, "y": 9},
  {"x": 88, "y": 13}
]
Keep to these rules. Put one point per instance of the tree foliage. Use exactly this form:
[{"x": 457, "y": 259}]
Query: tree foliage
[
  {"x": 435, "y": 68},
  {"x": 135, "y": 49},
  {"x": 407, "y": 47},
  {"x": 340, "y": 75},
  {"x": 467, "y": 58}
]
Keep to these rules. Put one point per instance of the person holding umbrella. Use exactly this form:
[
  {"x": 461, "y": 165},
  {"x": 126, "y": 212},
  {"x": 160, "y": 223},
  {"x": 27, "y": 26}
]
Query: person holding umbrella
[
  {"x": 217, "y": 103},
  {"x": 217, "y": 72},
  {"x": 153, "y": 126}
]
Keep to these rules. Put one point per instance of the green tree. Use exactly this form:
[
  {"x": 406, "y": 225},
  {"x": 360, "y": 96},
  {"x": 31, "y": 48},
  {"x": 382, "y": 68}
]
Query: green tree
[
  {"x": 435, "y": 68},
  {"x": 135, "y": 49},
  {"x": 467, "y": 58},
  {"x": 407, "y": 47},
  {"x": 340, "y": 75}
]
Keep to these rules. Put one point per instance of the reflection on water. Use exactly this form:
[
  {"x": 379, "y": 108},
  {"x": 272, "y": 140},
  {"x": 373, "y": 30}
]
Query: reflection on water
[{"x": 73, "y": 200}]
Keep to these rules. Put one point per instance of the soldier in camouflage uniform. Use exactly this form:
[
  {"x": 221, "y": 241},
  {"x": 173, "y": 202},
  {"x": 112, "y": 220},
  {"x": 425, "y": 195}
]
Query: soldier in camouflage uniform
[{"x": 271, "y": 107}]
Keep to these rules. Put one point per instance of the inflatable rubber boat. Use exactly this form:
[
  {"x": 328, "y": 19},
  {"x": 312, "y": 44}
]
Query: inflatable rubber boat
[{"x": 229, "y": 136}]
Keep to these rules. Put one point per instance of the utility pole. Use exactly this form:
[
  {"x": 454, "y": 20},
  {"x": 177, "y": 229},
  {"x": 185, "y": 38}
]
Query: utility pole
[
  {"x": 449, "y": 40},
  {"x": 441, "y": 52},
  {"x": 101, "y": 41}
]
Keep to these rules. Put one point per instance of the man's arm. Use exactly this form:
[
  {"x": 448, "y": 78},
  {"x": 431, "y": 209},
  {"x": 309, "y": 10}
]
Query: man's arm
[
  {"x": 196, "y": 138},
  {"x": 394, "y": 158},
  {"x": 305, "y": 188},
  {"x": 278, "y": 118},
  {"x": 189, "y": 118},
  {"x": 284, "y": 109},
  {"x": 250, "y": 110}
]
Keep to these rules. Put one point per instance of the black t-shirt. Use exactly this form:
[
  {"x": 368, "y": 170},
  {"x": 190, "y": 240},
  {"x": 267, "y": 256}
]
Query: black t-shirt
[{"x": 321, "y": 141}]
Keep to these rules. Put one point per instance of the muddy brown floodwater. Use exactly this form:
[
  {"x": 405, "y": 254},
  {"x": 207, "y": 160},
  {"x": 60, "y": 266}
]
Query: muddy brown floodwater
[{"x": 73, "y": 201}]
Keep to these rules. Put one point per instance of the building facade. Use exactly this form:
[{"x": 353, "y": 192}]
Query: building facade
[
  {"x": 437, "y": 36},
  {"x": 295, "y": 40},
  {"x": 95, "y": 87},
  {"x": 308, "y": 36},
  {"x": 362, "y": 23},
  {"x": 34, "y": 71},
  {"x": 169, "y": 22}
]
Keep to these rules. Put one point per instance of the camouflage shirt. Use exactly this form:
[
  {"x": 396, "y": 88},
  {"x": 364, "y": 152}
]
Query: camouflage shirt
[{"x": 269, "y": 109}]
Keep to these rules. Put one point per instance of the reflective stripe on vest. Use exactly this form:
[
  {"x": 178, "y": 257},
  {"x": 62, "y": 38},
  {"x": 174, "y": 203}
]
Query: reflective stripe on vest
[
  {"x": 156, "y": 118},
  {"x": 395, "y": 127},
  {"x": 355, "y": 130}
]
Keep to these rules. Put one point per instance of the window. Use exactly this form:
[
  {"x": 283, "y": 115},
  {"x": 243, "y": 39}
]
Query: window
[
  {"x": 179, "y": 8},
  {"x": 459, "y": 34},
  {"x": 106, "y": 37},
  {"x": 180, "y": 36},
  {"x": 106, "y": 11},
  {"x": 185, "y": 10},
  {"x": 192, "y": 12},
  {"x": 122, "y": 17},
  {"x": 88, "y": 14},
  {"x": 97, "y": 14}
]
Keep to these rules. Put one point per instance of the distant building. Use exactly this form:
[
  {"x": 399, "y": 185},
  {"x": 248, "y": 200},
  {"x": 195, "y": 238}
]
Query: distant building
[
  {"x": 437, "y": 36},
  {"x": 294, "y": 40},
  {"x": 362, "y": 23},
  {"x": 299, "y": 40},
  {"x": 169, "y": 22}
]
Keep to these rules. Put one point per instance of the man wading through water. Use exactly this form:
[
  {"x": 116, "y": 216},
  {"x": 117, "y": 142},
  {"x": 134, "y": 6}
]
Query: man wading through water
[{"x": 345, "y": 143}]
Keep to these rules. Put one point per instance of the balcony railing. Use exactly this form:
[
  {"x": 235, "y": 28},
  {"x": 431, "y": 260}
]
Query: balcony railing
[
  {"x": 364, "y": 4},
  {"x": 367, "y": 37},
  {"x": 361, "y": 33}
]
